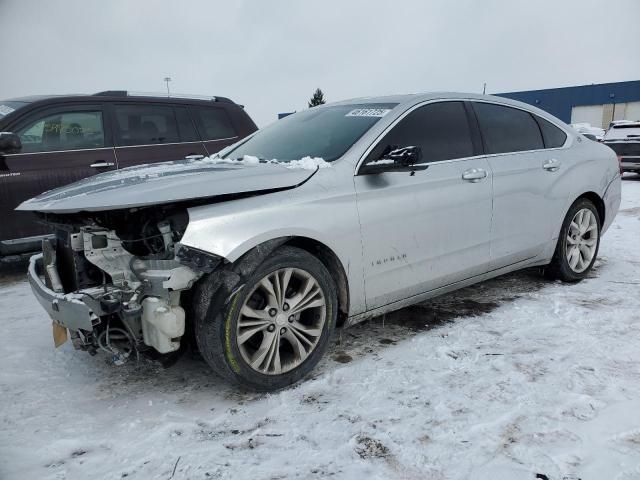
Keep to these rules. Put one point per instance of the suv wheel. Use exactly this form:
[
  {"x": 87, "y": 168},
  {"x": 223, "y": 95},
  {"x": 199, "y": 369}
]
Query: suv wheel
[
  {"x": 275, "y": 329},
  {"x": 578, "y": 243}
]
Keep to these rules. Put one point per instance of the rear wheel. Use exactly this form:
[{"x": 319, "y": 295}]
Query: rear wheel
[
  {"x": 578, "y": 243},
  {"x": 274, "y": 330}
]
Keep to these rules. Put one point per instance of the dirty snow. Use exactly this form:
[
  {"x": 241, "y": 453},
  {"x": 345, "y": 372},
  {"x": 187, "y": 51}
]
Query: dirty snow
[{"x": 504, "y": 380}]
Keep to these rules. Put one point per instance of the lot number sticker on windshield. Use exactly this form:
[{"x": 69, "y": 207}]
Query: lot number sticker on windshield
[
  {"x": 5, "y": 110},
  {"x": 368, "y": 112}
]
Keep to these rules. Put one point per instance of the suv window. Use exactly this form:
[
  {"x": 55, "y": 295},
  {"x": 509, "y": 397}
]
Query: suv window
[
  {"x": 440, "y": 129},
  {"x": 145, "y": 125},
  {"x": 213, "y": 123},
  {"x": 63, "y": 131},
  {"x": 185, "y": 125},
  {"x": 506, "y": 129},
  {"x": 552, "y": 135}
]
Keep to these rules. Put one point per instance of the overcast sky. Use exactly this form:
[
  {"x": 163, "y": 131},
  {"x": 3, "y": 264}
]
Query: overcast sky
[{"x": 270, "y": 55}]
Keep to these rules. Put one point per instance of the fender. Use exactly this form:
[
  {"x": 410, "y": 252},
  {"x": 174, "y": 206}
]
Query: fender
[{"x": 231, "y": 229}]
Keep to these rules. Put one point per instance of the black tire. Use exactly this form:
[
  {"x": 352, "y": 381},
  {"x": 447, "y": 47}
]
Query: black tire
[
  {"x": 216, "y": 325},
  {"x": 559, "y": 268}
]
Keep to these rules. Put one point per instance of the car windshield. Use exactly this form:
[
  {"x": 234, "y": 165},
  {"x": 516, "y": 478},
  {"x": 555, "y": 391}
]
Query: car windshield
[
  {"x": 322, "y": 132},
  {"x": 8, "y": 106}
]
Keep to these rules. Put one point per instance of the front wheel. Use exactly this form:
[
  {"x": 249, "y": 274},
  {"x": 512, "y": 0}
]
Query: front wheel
[
  {"x": 578, "y": 243},
  {"x": 271, "y": 332}
]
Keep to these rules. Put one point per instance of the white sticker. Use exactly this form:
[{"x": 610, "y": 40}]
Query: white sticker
[
  {"x": 368, "y": 112},
  {"x": 5, "y": 110}
]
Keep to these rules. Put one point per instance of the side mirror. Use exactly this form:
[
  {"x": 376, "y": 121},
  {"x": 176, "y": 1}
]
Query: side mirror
[
  {"x": 395, "y": 158},
  {"x": 405, "y": 156},
  {"x": 9, "y": 142}
]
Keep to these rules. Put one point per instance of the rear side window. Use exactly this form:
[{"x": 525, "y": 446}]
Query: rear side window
[
  {"x": 145, "y": 125},
  {"x": 63, "y": 131},
  {"x": 506, "y": 129},
  {"x": 440, "y": 129},
  {"x": 552, "y": 135},
  {"x": 213, "y": 123}
]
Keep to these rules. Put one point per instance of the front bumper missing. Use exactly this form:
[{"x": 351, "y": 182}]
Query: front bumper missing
[{"x": 75, "y": 311}]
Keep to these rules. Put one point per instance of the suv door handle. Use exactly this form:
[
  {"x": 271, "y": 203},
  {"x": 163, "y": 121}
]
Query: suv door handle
[
  {"x": 551, "y": 165},
  {"x": 194, "y": 157},
  {"x": 102, "y": 164},
  {"x": 474, "y": 175}
]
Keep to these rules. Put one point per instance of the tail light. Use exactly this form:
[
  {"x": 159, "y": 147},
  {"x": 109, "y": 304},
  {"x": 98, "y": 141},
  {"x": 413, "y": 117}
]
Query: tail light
[{"x": 620, "y": 163}]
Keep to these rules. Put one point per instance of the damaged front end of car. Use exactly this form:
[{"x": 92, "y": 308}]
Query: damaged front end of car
[{"x": 115, "y": 280}]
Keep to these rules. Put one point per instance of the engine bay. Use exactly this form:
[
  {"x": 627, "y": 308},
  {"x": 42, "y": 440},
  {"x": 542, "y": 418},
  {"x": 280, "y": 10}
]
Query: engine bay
[{"x": 129, "y": 268}]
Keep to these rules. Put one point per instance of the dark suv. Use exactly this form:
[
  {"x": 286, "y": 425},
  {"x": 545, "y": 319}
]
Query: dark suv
[{"x": 46, "y": 142}]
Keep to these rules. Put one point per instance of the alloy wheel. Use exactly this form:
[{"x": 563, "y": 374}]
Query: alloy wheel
[
  {"x": 281, "y": 321},
  {"x": 582, "y": 240}
]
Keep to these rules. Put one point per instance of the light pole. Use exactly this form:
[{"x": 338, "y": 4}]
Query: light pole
[{"x": 167, "y": 79}]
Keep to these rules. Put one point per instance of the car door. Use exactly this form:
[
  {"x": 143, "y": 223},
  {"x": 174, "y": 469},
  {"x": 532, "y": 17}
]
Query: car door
[
  {"x": 59, "y": 146},
  {"x": 426, "y": 228},
  {"x": 215, "y": 127},
  {"x": 150, "y": 133},
  {"x": 524, "y": 174}
]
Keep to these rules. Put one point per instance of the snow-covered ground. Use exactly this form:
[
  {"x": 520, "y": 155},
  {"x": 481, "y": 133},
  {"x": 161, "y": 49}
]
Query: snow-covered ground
[{"x": 510, "y": 379}]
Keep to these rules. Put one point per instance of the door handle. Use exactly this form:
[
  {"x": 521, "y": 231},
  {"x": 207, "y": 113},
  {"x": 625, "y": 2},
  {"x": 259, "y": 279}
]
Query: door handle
[
  {"x": 474, "y": 175},
  {"x": 552, "y": 165},
  {"x": 102, "y": 164},
  {"x": 194, "y": 157}
]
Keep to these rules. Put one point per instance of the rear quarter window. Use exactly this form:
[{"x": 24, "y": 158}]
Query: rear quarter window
[{"x": 552, "y": 135}]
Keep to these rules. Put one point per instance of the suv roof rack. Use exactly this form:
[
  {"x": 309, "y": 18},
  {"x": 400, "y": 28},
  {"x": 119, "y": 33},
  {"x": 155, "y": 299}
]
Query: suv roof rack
[{"x": 125, "y": 93}]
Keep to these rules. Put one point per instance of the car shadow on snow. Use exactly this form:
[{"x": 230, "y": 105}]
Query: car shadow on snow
[
  {"x": 13, "y": 270},
  {"x": 190, "y": 374}
]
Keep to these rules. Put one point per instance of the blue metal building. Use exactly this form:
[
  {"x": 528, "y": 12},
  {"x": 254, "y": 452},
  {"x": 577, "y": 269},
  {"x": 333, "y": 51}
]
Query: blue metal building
[{"x": 586, "y": 103}]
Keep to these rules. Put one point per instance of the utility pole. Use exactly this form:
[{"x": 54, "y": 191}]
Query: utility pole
[
  {"x": 484, "y": 88},
  {"x": 167, "y": 79}
]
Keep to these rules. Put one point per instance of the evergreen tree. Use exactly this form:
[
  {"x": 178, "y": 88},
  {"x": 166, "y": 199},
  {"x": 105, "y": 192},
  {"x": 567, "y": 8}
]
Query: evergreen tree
[{"x": 317, "y": 99}]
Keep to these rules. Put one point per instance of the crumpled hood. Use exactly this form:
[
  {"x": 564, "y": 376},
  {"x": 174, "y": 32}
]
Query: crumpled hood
[{"x": 162, "y": 183}]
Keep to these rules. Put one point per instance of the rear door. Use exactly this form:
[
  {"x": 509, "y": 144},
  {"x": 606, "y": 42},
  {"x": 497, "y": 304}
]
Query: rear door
[
  {"x": 429, "y": 228},
  {"x": 59, "y": 146},
  {"x": 150, "y": 133},
  {"x": 524, "y": 174},
  {"x": 215, "y": 127}
]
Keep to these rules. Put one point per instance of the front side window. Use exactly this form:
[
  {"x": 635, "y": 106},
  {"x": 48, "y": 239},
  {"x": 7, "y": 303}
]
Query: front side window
[
  {"x": 145, "y": 125},
  {"x": 441, "y": 130},
  {"x": 213, "y": 123},
  {"x": 506, "y": 129},
  {"x": 324, "y": 132},
  {"x": 63, "y": 131}
]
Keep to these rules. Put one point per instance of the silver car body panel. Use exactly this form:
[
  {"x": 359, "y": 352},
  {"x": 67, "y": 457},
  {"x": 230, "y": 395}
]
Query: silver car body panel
[{"x": 402, "y": 238}]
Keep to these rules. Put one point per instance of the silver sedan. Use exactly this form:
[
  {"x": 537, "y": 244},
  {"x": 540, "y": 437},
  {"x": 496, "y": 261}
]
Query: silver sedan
[{"x": 325, "y": 218}]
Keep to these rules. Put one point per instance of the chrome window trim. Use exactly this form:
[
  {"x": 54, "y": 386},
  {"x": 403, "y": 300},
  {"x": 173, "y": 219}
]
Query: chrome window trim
[
  {"x": 59, "y": 151},
  {"x": 378, "y": 139},
  {"x": 122, "y": 146},
  {"x": 174, "y": 143}
]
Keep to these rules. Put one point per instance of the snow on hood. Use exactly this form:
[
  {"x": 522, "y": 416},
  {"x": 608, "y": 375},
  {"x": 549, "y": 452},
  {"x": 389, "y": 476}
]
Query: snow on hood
[
  {"x": 306, "y": 163},
  {"x": 168, "y": 182}
]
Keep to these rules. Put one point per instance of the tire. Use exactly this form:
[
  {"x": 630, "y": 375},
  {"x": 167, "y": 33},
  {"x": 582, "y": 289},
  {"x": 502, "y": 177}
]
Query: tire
[
  {"x": 238, "y": 328},
  {"x": 564, "y": 265}
]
